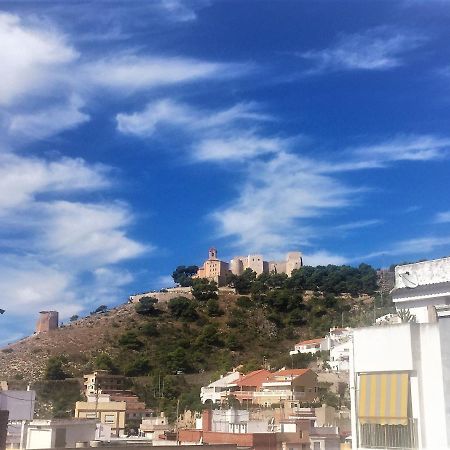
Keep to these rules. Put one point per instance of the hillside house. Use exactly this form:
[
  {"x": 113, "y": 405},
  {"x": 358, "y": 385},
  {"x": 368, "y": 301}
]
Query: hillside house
[
  {"x": 309, "y": 346},
  {"x": 217, "y": 389}
]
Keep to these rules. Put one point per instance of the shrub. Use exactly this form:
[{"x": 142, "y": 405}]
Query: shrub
[{"x": 130, "y": 340}]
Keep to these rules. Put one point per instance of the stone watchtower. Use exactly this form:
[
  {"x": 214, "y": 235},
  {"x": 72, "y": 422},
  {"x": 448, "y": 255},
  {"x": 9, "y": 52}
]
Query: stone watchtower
[{"x": 48, "y": 320}]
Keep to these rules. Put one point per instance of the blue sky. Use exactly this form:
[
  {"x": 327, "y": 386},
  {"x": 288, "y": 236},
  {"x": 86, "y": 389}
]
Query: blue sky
[{"x": 135, "y": 135}]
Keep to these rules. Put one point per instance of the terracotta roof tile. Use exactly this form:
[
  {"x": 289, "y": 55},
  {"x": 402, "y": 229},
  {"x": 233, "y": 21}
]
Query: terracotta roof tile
[{"x": 255, "y": 378}]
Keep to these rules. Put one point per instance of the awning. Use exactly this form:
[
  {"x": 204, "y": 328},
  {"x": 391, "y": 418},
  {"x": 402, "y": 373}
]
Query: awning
[{"x": 383, "y": 398}]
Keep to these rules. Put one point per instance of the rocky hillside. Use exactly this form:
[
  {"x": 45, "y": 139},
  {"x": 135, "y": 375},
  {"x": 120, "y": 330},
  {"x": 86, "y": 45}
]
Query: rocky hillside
[{"x": 79, "y": 341}]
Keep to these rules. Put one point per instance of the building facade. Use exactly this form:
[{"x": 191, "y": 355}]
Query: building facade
[
  {"x": 215, "y": 391},
  {"x": 107, "y": 412},
  {"x": 424, "y": 289},
  {"x": 256, "y": 263},
  {"x": 213, "y": 269},
  {"x": 48, "y": 320},
  {"x": 59, "y": 433}
]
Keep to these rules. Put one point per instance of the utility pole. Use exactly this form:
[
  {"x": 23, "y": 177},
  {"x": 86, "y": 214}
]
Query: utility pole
[{"x": 178, "y": 413}]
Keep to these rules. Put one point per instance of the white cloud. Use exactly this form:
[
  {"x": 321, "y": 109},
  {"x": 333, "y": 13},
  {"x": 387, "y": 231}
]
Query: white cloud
[
  {"x": 217, "y": 135},
  {"x": 178, "y": 10},
  {"x": 30, "y": 57},
  {"x": 59, "y": 250},
  {"x": 358, "y": 224},
  {"x": 92, "y": 233},
  {"x": 167, "y": 112},
  {"x": 323, "y": 258},
  {"x": 405, "y": 148},
  {"x": 131, "y": 73},
  {"x": 23, "y": 178},
  {"x": 419, "y": 246},
  {"x": 380, "y": 48},
  {"x": 238, "y": 148},
  {"x": 48, "y": 121},
  {"x": 442, "y": 217},
  {"x": 275, "y": 202}
]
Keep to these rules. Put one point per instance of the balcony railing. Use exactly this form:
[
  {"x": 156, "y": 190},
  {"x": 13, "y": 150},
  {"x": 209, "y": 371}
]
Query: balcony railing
[{"x": 373, "y": 435}]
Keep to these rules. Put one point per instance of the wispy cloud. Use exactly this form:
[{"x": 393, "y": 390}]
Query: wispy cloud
[
  {"x": 358, "y": 224},
  {"x": 48, "y": 121},
  {"x": 379, "y": 48},
  {"x": 133, "y": 72},
  {"x": 442, "y": 217},
  {"x": 227, "y": 134},
  {"x": 52, "y": 238},
  {"x": 42, "y": 54},
  {"x": 169, "y": 113},
  {"x": 275, "y": 202},
  {"x": 419, "y": 246},
  {"x": 323, "y": 258}
]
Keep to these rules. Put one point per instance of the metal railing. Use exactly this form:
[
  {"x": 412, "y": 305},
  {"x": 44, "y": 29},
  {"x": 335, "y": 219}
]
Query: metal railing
[{"x": 372, "y": 435}]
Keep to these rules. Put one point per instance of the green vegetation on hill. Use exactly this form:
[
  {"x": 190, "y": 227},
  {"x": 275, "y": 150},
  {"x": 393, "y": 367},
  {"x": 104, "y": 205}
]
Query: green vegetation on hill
[{"x": 167, "y": 347}]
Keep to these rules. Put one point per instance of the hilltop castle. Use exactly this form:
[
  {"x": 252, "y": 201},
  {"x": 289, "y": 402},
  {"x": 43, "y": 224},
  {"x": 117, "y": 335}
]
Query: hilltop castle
[{"x": 215, "y": 270}]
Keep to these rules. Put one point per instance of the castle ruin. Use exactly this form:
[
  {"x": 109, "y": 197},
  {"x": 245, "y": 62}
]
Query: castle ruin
[
  {"x": 215, "y": 270},
  {"x": 48, "y": 320}
]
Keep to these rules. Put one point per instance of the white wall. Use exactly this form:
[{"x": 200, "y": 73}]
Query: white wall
[{"x": 424, "y": 351}]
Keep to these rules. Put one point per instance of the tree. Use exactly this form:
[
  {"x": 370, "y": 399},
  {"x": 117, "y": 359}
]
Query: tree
[
  {"x": 137, "y": 367},
  {"x": 146, "y": 306},
  {"x": 213, "y": 308},
  {"x": 74, "y": 318},
  {"x": 54, "y": 369},
  {"x": 104, "y": 362},
  {"x": 243, "y": 283},
  {"x": 183, "y": 275},
  {"x": 204, "y": 290},
  {"x": 130, "y": 340},
  {"x": 100, "y": 310},
  {"x": 182, "y": 308}
]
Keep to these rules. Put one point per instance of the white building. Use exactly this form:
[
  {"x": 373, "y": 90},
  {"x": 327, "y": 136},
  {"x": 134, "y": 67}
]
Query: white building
[
  {"x": 235, "y": 421},
  {"x": 424, "y": 289},
  {"x": 216, "y": 389},
  {"x": 20, "y": 405},
  {"x": 310, "y": 346},
  {"x": 339, "y": 356},
  {"x": 60, "y": 433},
  {"x": 400, "y": 374}
]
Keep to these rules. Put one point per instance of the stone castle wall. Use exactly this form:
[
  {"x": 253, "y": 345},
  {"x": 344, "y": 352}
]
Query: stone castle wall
[{"x": 48, "y": 320}]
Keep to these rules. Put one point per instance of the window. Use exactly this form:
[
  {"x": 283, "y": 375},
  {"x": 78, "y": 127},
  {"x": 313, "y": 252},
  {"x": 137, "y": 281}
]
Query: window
[
  {"x": 110, "y": 418},
  {"x": 91, "y": 415}
]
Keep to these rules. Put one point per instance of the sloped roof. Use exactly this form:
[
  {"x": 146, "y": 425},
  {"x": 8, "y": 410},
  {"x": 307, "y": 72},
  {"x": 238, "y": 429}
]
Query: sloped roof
[
  {"x": 311, "y": 341},
  {"x": 255, "y": 378},
  {"x": 290, "y": 372}
]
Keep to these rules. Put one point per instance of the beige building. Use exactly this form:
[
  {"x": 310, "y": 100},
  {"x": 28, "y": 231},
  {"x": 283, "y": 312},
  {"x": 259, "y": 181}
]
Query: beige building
[
  {"x": 256, "y": 262},
  {"x": 101, "y": 381},
  {"x": 108, "y": 412},
  {"x": 213, "y": 269}
]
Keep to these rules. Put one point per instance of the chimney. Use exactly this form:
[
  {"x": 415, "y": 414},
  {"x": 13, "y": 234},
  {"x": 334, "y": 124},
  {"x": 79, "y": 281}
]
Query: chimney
[{"x": 207, "y": 420}]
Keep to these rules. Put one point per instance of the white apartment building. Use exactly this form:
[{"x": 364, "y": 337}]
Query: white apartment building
[
  {"x": 423, "y": 288},
  {"x": 339, "y": 356},
  {"x": 400, "y": 374},
  {"x": 215, "y": 390}
]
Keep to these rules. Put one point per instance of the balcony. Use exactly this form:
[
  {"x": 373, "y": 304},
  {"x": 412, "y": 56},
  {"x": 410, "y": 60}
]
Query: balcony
[{"x": 373, "y": 435}]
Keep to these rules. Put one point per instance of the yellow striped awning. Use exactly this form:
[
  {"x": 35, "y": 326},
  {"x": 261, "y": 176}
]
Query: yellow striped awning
[{"x": 383, "y": 398}]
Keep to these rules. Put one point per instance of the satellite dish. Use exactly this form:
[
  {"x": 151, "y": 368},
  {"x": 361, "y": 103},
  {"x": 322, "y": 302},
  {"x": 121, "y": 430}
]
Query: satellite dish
[{"x": 409, "y": 280}]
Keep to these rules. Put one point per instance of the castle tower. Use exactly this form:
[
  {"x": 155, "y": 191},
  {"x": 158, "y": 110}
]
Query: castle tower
[
  {"x": 212, "y": 253},
  {"x": 48, "y": 320}
]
